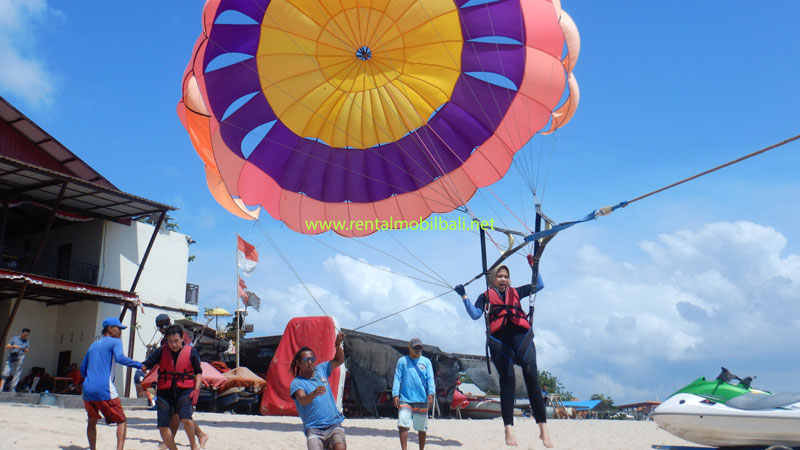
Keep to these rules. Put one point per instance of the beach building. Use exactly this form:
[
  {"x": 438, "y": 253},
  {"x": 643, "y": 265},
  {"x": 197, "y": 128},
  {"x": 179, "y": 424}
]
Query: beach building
[{"x": 74, "y": 249}]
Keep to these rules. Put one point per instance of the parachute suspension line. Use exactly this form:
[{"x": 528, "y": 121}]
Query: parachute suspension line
[
  {"x": 486, "y": 116},
  {"x": 552, "y": 152},
  {"x": 289, "y": 265},
  {"x": 422, "y": 145},
  {"x": 449, "y": 290},
  {"x": 439, "y": 282},
  {"x": 714, "y": 169},
  {"x": 435, "y": 283},
  {"x": 441, "y": 278}
]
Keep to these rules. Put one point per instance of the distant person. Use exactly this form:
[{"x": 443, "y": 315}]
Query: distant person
[
  {"x": 322, "y": 421},
  {"x": 99, "y": 393},
  {"x": 163, "y": 322},
  {"x": 75, "y": 379},
  {"x": 412, "y": 393},
  {"x": 179, "y": 378},
  {"x": 510, "y": 343},
  {"x": 18, "y": 346}
]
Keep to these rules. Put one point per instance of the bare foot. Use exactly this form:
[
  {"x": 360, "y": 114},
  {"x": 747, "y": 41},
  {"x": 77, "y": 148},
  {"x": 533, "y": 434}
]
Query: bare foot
[
  {"x": 511, "y": 440},
  {"x": 202, "y": 439},
  {"x": 545, "y": 436}
]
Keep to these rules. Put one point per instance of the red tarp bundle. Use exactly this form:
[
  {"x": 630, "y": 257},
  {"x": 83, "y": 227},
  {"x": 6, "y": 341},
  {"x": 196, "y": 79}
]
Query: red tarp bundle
[
  {"x": 243, "y": 377},
  {"x": 318, "y": 333}
]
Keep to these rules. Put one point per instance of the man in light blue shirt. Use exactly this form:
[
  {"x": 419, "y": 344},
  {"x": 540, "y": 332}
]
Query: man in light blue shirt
[
  {"x": 99, "y": 394},
  {"x": 18, "y": 346},
  {"x": 412, "y": 392},
  {"x": 322, "y": 421}
]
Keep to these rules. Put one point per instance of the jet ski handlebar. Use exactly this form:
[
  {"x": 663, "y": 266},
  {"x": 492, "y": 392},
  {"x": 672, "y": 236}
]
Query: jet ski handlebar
[{"x": 726, "y": 377}]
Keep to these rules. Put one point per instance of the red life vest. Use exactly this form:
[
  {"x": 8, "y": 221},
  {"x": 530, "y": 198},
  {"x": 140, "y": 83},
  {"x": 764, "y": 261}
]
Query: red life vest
[
  {"x": 180, "y": 374},
  {"x": 502, "y": 312}
]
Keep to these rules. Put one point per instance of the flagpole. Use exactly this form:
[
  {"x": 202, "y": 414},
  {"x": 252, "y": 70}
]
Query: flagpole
[{"x": 236, "y": 313}]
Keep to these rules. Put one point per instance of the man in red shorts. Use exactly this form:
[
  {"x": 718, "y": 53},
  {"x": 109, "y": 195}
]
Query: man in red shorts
[{"x": 99, "y": 393}]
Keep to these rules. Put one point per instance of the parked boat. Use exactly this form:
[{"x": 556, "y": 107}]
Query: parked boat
[{"x": 481, "y": 408}]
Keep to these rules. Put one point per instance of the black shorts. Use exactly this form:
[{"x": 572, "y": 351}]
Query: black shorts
[{"x": 169, "y": 405}]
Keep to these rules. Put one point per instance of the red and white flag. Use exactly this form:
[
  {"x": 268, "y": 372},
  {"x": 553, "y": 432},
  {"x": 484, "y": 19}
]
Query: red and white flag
[
  {"x": 248, "y": 256},
  {"x": 242, "y": 289}
]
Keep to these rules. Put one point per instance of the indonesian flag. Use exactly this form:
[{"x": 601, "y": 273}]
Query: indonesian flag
[{"x": 248, "y": 256}]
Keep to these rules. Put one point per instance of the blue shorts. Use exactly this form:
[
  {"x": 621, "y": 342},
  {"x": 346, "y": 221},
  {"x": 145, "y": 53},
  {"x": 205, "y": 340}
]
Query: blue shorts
[
  {"x": 168, "y": 407},
  {"x": 415, "y": 414}
]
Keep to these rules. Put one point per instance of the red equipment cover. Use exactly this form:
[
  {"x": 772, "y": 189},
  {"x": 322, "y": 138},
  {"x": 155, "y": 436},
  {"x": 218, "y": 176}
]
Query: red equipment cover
[{"x": 318, "y": 333}]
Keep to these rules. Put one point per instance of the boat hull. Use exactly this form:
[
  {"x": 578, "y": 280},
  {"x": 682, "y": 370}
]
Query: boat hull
[
  {"x": 695, "y": 419},
  {"x": 481, "y": 409}
]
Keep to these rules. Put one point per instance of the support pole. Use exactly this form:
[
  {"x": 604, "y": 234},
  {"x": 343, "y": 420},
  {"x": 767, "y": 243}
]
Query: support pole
[
  {"x": 144, "y": 259},
  {"x": 131, "y": 342}
]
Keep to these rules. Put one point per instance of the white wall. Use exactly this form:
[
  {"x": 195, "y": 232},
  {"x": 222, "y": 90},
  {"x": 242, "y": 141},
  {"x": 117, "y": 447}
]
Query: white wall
[{"x": 163, "y": 281}]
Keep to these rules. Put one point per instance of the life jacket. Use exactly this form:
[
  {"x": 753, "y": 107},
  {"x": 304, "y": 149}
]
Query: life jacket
[
  {"x": 181, "y": 375},
  {"x": 502, "y": 312}
]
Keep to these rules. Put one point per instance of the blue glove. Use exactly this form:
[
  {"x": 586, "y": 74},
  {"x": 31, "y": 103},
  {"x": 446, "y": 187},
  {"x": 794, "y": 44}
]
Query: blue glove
[{"x": 460, "y": 290}]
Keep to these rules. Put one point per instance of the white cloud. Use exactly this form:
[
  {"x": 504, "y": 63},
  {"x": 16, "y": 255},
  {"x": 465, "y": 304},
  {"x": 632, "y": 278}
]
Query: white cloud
[
  {"x": 361, "y": 294},
  {"x": 720, "y": 295},
  {"x": 23, "y": 73}
]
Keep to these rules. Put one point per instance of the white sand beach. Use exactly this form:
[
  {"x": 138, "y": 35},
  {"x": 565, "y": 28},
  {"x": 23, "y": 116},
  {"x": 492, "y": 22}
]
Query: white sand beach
[{"x": 48, "y": 427}]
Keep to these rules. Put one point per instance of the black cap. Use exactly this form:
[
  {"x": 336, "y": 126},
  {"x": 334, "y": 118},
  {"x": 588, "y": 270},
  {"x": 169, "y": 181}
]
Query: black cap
[{"x": 162, "y": 318}]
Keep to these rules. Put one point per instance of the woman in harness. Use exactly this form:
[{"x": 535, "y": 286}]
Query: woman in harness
[{"x": 510, "y": 340}]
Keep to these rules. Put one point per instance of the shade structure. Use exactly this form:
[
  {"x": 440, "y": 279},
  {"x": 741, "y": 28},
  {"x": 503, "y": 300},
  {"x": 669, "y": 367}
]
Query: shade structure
[
  {"x": 371, "y": 113},
  {"x": 218, "y": 312}
]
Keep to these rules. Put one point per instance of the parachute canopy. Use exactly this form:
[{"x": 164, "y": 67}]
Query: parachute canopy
[{"x": 371, "y": 109}]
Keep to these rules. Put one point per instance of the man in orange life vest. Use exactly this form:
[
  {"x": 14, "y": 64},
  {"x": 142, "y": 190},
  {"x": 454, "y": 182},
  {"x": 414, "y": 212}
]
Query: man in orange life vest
[
  {"x": 179, "y": 378},
  {"x": 163, "y": 322}
]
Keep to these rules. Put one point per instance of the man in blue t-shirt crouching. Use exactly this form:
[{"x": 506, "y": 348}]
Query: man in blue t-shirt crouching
[{"x": 322, "y": 421}]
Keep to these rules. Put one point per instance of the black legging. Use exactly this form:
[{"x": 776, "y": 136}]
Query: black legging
[{"x": 521, "y": 342}]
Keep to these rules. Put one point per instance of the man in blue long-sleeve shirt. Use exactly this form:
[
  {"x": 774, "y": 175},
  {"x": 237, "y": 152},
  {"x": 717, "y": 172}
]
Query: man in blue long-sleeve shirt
[
  {"x": 99, "y": 393},
  {"x": 412, "y": 392}
]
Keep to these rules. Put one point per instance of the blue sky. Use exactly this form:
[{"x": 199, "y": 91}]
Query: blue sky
[{"x": 636, "y": 304}]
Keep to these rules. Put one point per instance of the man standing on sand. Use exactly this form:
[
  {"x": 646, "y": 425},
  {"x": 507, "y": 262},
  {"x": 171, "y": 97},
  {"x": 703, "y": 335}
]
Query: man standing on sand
[
  {"x": 162, "y": 323},
  {"x": 179, "y": 378},
  {"x": 412, "y": 393},
  {"x": 19, "y": 346},
  {"x": 99, "y": 393}
]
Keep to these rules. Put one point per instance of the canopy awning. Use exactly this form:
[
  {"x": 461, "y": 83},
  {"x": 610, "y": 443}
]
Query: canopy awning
[{"x": 59, "y": 292}]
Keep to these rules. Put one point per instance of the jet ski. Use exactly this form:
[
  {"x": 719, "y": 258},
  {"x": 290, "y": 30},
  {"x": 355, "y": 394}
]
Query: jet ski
[{"x": 720, "y": 413}]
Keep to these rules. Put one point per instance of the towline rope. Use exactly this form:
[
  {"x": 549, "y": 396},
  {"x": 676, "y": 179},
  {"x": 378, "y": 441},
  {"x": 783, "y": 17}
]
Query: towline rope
[{"x": 730, "y": 163}]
